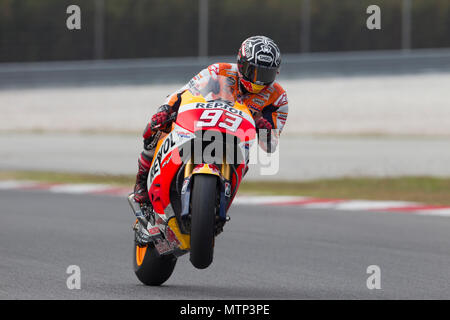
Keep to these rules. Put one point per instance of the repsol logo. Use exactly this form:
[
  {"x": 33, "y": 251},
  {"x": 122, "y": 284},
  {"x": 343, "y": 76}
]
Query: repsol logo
[
  {"x": 219, "y": 105},
  {"x": 166, "y": 147}
]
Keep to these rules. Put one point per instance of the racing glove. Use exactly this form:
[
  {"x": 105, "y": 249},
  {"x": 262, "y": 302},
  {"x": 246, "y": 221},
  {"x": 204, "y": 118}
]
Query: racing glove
[
  {"x": 262, "y": 123},
  {"x": 263, "y": 128},
  {"x": 159, "y": 119}
]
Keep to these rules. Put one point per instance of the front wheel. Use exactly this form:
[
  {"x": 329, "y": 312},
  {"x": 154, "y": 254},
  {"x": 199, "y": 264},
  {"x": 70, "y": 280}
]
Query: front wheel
[
  {"x": 203, "y": 218},
  {"x": 151, "y": 268}
]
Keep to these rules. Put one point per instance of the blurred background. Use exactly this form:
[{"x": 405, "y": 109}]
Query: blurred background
[
  {"x": 363, "y": 103},
  {"x": 128, "y": 29},
  {"x": 369, "y": 119}
]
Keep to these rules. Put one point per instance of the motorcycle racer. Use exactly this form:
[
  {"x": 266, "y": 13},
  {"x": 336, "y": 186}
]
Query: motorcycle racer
[{"x": 252, "y": 82}]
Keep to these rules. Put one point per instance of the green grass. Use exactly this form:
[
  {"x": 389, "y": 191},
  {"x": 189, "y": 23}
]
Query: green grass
[{"x": 420, "y": 189}]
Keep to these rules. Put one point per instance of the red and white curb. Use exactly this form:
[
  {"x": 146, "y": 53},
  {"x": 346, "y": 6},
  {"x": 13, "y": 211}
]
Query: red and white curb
[
  {"x": 305, "y": 202},
  {"x": 347, "y": 205}
]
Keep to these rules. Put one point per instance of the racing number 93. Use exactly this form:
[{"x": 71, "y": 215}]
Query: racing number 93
[{"x": 210, "y": 118}]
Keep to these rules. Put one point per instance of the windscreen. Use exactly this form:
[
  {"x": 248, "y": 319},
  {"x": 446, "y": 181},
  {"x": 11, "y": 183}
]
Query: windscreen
[{"x": 213, "y": 89}]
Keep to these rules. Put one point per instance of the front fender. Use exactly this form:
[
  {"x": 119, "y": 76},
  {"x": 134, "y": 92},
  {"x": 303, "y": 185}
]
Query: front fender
[{"x": 206, "y": 169}]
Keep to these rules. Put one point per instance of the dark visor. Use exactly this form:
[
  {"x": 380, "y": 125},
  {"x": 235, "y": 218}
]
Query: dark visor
[{"x": 258, "y": 74}]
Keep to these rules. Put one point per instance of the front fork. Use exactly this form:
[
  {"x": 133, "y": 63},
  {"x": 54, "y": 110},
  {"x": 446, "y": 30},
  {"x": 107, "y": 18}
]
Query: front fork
[{"x": 225, "y": 185}]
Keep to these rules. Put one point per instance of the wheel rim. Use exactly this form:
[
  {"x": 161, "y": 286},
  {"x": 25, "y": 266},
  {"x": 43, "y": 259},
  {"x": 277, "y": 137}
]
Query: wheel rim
[{"x": 140, "y": 254}]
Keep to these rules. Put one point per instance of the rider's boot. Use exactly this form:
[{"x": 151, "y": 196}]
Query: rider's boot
[
  {"x": 141, "y": 196},
  {"x": 141, "y": 188}
]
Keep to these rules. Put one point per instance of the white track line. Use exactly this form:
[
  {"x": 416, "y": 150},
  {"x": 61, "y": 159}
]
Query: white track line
[
  {"x": 14, "y": 184},
  {"x": 258, "y": 200},
  {"x": 372, "y": 204},
  {"x": 435, "y": 212},
  {"x": 79, "y": 188}
]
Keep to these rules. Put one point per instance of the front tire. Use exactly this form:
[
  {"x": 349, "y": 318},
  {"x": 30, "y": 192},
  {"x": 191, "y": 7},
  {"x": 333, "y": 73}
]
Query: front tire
[
  {"x": 203, "y": 217},
  {"x": 151, "y": 268}
]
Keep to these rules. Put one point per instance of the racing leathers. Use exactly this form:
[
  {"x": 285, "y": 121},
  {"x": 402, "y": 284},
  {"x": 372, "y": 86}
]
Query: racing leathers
[{"x": 269, "y": 108}]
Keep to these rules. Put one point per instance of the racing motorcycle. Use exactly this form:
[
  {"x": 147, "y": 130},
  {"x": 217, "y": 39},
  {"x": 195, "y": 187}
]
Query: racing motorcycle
[{"x": 194, "y": 176}]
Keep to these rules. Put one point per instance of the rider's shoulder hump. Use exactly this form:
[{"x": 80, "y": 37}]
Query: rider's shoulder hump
[{"x": 220, "y": 66}]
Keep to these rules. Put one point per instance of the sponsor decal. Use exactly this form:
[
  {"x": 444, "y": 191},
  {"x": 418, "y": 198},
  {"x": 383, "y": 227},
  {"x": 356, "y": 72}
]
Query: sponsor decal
[
  {"x": 185, "y": 185},
  {"x": 265, "y": 58},
  {"x": 162, "y": 246},
  {"x": 167, "y": 146},
  {"x": 185, "y": 135},
  {"x": 230, "y": 73},
  {"x": 213, "y": 168},
  {"x": 253, "y": 108},
  {"x": 227, "y": 189},
  {"x": 258, "y": 101},
  {"x": 172, "y": 238},
  {"x": 231, "y": 81},
  {"x": 154, "y": 231},
  {"x": 197, "y": 168},
  {"x": 219, "y": 105},
  {"x": 214, "y": 68},
  {"x": 166, "y": 162},
  {"x": 282, "y": 100},
  {"x": 263, "y": 95}
]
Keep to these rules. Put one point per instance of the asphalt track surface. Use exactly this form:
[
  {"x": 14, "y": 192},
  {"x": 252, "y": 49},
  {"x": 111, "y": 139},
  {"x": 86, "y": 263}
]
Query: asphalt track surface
[{"x": 265, "y": 252}]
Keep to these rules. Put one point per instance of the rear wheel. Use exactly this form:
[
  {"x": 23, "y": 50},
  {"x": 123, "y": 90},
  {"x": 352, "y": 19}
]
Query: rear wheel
[
  {"x": 203, "y": 217},
  {"x": 151, "y": 268}
]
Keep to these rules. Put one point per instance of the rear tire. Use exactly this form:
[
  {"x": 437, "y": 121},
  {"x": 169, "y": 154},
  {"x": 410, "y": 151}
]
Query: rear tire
[
  {"x": 151, "y": 268},
  {"x": 203, "y": 218}
]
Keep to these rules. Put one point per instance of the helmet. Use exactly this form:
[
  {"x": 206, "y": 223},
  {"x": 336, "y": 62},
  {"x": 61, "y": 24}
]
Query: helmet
[{"x": 258, "y": 63}]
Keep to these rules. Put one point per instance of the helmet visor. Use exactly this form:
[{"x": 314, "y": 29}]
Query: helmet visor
[{"x": 258, "y": 74}]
